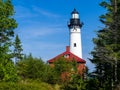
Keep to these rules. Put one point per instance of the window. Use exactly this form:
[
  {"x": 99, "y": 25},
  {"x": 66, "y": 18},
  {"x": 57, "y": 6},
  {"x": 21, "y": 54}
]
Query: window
[
  {"x": 66, "y": 56},
  {"x": 75, "y": 45}
]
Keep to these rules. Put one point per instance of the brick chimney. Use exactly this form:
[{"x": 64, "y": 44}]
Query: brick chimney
[{"x": 68, "y": 48}]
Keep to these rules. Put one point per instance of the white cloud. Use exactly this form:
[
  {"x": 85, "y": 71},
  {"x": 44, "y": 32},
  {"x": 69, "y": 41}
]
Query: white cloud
[
  {"x": 33, "y": 11},
  {"x": 36, "y": 34},
  {"x": 44, "y": 50},
  {"x": 23, "y": 12},
  {"x": 39, "y": 40},
  {"x": 44, "y": 12},
  {"x": 33, "y": 32}
]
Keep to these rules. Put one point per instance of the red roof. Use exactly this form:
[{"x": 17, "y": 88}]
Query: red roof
[{"x": 67, "y": 54}]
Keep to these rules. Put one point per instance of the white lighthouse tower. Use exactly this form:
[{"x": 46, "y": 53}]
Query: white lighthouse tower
[{"x": 75, "y": 34}]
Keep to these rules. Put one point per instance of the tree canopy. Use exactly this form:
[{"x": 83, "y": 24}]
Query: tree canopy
[
  {"x": 106, "y": 53},
  {"x": 7, "y": 26}
]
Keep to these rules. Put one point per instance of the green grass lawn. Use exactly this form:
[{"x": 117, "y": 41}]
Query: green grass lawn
[{"x": 27, "y": 85}]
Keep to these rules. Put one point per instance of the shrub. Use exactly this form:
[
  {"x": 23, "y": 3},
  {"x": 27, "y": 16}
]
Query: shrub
[{"x": 25, "y": 85}]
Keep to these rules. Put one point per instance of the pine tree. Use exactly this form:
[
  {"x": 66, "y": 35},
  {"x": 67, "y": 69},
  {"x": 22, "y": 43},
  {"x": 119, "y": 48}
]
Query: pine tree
[
  {"x": 106, "y": 54},
  {"x": 7, "y": 26},
  {"x": 17, "y": 49}
]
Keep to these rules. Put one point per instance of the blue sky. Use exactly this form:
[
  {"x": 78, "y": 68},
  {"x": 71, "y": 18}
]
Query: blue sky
[{"x": 42, "y": 25}]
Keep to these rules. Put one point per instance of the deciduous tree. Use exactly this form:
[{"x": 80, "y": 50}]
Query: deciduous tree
[{"x": 7, "y": 26}]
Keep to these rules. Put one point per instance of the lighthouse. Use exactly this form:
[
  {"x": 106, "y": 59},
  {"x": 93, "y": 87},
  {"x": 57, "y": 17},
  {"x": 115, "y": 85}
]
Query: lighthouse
[
  {"x": 74, "y": 26},
  {"x": 74, "y": 50}
]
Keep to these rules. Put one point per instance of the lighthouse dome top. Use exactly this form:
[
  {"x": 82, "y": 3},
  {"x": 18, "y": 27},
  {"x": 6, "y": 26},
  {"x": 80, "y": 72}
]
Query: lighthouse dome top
[
  {"x": 75, "y": 14},
  {"x": 74, "y": 11},
  {"x": 74, "y": 20}
]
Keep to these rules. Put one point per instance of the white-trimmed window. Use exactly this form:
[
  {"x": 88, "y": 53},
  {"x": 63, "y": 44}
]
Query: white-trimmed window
[
  {"x": 75, "y": 45},
  {"x": 66, "y": 56}
]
